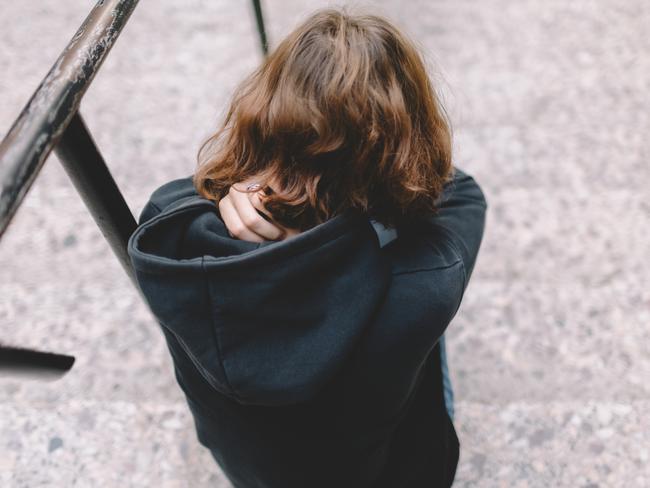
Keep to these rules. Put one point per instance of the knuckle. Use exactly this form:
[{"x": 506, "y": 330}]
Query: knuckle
[
  {"x": 236, "y": 229},
  {"x": 251, "y": 222}
]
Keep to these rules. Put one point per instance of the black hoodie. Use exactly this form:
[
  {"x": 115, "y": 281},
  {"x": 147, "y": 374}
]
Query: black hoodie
[{"x": 313, "y": 361}]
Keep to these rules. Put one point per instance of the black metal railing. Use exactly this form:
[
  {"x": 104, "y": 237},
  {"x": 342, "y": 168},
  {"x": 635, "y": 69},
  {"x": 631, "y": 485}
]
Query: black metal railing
[{"x": 51, "y": 121}]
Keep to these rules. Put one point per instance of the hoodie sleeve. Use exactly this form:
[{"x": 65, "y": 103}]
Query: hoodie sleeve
[
  {"x": 461, "y": 216},
  {"x": 166, "y": 195}
]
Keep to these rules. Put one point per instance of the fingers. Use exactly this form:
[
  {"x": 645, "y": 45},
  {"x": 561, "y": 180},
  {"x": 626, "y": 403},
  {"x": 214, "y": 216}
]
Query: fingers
[
  {"x": 239, "y": 213},
  {"x": 234, "y": 224},
  {"x": 247, "y": 204},
  {"x": 291, "y": 232},
  {"x": 285, "y": 232},
  {"x": 256, "y": 201}
]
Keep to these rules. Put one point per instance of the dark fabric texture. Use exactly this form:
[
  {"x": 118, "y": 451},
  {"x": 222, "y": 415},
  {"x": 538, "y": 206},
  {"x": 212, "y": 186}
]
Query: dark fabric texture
[{"x": 313, "y": 361}]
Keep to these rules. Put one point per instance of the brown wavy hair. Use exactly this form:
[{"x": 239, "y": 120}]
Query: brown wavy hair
[{"x": 341, "y": 115}]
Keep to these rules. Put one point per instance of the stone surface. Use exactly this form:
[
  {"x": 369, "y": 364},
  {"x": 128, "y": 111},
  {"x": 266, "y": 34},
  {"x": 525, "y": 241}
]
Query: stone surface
[
  {"x": 586, "y": 444},
  {"x": 90, "y": 443},
  {"x": 550, "y": 350}
]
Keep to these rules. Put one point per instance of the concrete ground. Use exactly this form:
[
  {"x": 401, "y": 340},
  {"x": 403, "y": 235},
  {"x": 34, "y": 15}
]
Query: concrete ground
[{"x": 550, "y": 351}]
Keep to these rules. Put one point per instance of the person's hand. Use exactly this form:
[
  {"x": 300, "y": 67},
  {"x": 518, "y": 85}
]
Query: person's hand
[{"x": 240, "y": 211}]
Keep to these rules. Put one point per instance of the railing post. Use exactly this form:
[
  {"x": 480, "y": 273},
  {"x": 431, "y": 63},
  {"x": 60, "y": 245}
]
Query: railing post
[
  {"x": 259, "y": 18},
  {"x": 89, "y": 174},
  {"x": 51, "y": 120}
]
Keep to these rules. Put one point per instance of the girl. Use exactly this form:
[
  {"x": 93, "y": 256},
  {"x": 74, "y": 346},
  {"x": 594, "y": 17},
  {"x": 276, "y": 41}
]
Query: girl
[{"x": 305, "y": 275}]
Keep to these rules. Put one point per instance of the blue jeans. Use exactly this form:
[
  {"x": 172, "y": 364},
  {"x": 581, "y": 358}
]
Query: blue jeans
[{"x": 446, "y": 380}]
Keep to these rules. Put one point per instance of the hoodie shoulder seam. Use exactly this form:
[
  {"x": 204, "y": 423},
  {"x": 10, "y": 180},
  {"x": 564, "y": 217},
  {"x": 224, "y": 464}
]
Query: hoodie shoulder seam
[
  {"x": 430, "y": 268},
  {"x": 215, "y": 335}
]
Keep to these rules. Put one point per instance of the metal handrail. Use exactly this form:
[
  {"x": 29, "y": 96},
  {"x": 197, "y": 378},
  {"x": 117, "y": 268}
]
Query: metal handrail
[
  {"x": 259, "y": 18},
  {"x": 51, "y": 120},
  {"x": 50, "y": 117},
  {"x": 51, "y": 108}
]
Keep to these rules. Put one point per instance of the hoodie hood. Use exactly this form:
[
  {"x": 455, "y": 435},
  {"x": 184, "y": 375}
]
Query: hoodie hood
[{"x": 265, "y": 323}]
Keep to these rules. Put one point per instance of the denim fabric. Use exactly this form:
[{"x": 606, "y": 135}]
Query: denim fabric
[{"x": 446, "y": 379}]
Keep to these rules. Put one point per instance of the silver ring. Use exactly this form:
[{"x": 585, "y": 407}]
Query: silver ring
[{"x": 253, "y": 186}]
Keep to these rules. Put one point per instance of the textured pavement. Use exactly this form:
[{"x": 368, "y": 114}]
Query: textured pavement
[{"x": 550, "y": 351}]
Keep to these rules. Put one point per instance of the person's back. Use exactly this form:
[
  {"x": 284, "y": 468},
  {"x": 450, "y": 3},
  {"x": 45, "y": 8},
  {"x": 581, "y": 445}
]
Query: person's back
[{"x": 315, "y": 360}]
